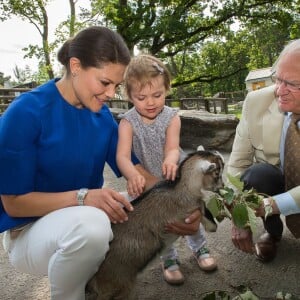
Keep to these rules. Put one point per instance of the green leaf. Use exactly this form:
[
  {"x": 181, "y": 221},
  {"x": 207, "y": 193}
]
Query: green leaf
[
  {"x": 240, "y": 215},
  {"x": 222, "y": 295},
  {"x": 236, "y": 182},
  {"x": 213, "y": 206},
  {"x": 210, "y": 296},
  {"x": 252, "y": 219},
  {"x": 253, "y": 199},
  {"x": 279, "y": 295},
  {"x": 247, "y": 296},
  {"x": 228, "y": 194},
  {"x": 224, "y": 191}
]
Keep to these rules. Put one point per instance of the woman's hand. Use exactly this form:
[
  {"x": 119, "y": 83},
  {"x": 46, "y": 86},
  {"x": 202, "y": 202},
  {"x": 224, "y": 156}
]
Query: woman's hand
[
  {"x": 242, "y": 239},
  {"x": 111, "y": 202},
  {"x": 190, "y": 225}
]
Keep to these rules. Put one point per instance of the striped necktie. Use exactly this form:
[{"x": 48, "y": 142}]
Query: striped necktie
[{"x": 292, "y": 168}]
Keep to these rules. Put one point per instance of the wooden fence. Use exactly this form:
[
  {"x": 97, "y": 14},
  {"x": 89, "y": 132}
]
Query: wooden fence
[
  {"x": 7, "y": 95},
  {"x": 215, "y": 105},
  {"x": 211, "y": 104}
]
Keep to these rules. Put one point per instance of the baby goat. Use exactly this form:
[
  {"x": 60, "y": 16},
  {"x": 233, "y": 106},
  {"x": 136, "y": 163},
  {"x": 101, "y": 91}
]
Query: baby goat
[{"x": 137, "y": 241}]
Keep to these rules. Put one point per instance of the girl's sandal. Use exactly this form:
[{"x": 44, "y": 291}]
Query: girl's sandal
[
  {"x": 205, "y": 261},
  {"x": 171, "y": 272}
]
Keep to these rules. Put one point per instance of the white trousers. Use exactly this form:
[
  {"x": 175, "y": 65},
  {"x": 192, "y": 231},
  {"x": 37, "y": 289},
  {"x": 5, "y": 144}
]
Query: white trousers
[{"x": 67, "y": 245}]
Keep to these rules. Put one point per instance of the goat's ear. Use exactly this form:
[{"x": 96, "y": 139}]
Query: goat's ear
[
  {"x": 207, "y": 166},
  {"x": 200, "y": 148},
  {"x": 219, "y": 154}
]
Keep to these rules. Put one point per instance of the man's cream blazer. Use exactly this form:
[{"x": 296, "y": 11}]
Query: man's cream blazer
[{"x": 258, "y": 133}]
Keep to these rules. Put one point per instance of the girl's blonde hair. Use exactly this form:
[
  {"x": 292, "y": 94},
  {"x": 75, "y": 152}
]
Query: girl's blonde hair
[{"x": 142, "y": 69}]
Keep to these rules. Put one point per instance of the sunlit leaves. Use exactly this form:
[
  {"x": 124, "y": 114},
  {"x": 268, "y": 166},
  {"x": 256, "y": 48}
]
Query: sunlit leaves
[
  {"x": 252, "y": 219},
  {"x": 236, "y": 182},
  {"x": 214, "y": 206},
  {"x": 235, "y": 203},
  {"x": 228, "y": 195},
  {"x": 194, "y": 38}
]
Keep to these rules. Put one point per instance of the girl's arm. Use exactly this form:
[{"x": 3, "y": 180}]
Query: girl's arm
[
  {"x": 135, "y": 181},
  {"x": 171, "y": 151}
]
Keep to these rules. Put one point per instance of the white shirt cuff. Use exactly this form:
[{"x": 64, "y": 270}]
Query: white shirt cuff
[{"x": 286, "y": 204}]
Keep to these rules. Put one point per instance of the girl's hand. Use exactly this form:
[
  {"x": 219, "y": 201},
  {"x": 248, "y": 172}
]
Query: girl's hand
[
  {"x": 169, "y": 170},
  {"x": 111, "y": 202},
  {"x": 136, "y": 185}
]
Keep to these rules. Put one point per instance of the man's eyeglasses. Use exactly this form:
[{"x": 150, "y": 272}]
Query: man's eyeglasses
[{"x": 291, "y": 86}]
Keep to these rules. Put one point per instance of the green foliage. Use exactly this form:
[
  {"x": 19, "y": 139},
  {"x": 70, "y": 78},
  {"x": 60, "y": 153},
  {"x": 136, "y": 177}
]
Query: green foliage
[
  {"x": 35, "y": 13},
  {"x": 205, "y": 53},
  {"x": 235, "y": 203},
  {"x": 3, "y": 79},
  {"x": 233, "y": 109},
  {"x": 244, "y": 293},
  {"x": 222, "y": 295},
  {"x": 197, "y": 41}
]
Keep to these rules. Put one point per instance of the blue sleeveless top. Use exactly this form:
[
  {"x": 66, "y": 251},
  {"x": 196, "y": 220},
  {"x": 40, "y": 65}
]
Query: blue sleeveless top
[{"x": 149, "y": 139}]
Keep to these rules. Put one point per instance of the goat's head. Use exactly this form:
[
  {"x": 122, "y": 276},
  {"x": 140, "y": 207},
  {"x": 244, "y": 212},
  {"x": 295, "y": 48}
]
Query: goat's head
[{"x": 202, "y": 170}]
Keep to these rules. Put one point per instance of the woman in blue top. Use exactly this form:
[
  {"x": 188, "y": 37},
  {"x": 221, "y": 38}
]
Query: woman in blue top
[{"x": 54, "y": 142}]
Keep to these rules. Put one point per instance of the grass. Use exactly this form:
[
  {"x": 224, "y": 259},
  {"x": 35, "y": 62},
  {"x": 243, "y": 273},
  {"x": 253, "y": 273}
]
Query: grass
[{"x": 234, "y": 110}]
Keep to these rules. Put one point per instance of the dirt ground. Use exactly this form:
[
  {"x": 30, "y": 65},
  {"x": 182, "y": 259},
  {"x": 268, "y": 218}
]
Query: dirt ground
[{"x": 235, "y": 269}]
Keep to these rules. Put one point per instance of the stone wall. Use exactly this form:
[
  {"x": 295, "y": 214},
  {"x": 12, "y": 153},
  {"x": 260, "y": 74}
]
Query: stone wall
[{"x": 213, "y": 131}]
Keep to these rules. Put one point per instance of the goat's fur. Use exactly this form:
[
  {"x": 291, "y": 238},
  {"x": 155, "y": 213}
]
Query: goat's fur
[{"x": 137, "y": 241}]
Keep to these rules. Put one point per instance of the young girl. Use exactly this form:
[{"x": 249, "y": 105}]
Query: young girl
[{"x": 152, "y": 130}]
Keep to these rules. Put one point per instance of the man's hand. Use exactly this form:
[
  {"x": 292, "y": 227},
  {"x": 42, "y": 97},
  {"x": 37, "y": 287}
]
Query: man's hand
[
  {"x": 189, "y": 227},
  {"x": 242, "y": 239}
]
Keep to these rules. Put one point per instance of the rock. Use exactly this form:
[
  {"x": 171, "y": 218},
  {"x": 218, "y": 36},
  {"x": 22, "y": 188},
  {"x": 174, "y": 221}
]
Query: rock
[{"x": 213, "y": 131}]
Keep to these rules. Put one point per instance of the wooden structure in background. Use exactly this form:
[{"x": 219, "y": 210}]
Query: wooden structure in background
[
  {"x": 8, "y": 94},
  {"x": 258, "y": 79},
  {"x": 211, "y": 104}
]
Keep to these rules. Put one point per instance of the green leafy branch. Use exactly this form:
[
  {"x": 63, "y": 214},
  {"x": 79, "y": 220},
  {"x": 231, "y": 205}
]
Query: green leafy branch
[
  {"x": 245, "y": 294},
  {"x": 237, "y": 204}
]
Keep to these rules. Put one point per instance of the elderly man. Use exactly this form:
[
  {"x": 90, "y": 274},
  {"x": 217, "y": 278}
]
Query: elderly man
[{"x": 266, "y": 152}]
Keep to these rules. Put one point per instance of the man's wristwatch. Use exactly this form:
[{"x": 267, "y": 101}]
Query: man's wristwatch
[
  {"x": 268, "y": 207},
  {"x": 81, "y": 194}
]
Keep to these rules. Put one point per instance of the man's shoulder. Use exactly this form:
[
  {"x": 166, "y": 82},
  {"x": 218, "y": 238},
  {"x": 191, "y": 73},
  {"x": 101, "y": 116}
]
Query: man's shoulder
[
  {"x": 266, "y": 92},
  {"x": 261, "y": 99}
]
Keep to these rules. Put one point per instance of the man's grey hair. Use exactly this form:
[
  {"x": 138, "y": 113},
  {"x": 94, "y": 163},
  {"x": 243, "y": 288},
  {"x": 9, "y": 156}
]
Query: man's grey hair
[{"x": 292, "y": 47}]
